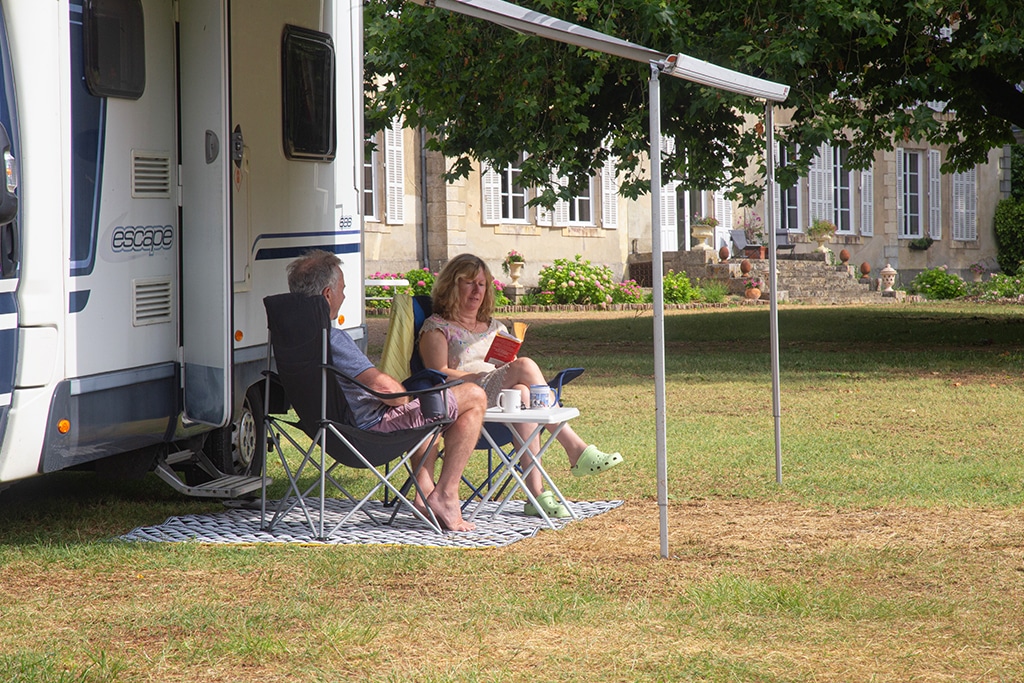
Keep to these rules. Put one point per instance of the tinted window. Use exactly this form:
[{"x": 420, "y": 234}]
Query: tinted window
[
  {"x": 115, "y": 49},
  {"x": 307, "y": 66}
]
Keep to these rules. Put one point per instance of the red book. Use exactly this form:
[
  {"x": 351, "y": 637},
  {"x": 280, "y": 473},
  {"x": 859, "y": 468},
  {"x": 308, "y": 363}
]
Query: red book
[{"x": 504, "y": 346}]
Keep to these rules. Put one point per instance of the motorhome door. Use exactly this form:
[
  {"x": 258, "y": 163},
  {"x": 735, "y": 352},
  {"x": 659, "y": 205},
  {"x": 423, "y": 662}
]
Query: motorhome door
[{"x": 205, "y": 210}]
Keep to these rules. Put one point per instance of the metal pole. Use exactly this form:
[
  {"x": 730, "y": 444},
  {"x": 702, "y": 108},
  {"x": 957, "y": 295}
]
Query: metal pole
[
  {"x": 659, "y": 306},
  {"x": 769, "y": 203}
]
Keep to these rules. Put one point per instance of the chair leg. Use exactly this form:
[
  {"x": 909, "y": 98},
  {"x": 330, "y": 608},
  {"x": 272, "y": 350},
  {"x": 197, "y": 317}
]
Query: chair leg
[{"x": 385, "y": 482}]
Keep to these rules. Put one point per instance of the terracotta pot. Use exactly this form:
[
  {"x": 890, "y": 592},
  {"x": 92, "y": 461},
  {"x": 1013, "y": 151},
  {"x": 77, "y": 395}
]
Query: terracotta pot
[
  {"x": 723, "y": 253},
  {"x": 745, "y": 266},
  {"x": 844, "y": 256},
  {"x": 752, "y": 293}
]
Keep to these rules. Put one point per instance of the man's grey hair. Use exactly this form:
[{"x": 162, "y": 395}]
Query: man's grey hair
[{"x": 313, "y": 272}]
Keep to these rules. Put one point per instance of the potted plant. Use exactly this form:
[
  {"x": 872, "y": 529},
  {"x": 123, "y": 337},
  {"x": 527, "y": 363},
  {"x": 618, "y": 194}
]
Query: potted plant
[
  {"x": 753, "y": 232},
  {"x": 752, "y": 287},
  {"x": 977, "y": 271},
  {"x": 821, "y": 231},
  {"x": 513, "y": 265},
  {"x": 702, "y": 228}
]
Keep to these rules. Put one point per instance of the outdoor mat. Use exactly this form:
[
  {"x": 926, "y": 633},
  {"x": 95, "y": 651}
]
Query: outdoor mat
[{"x": 242, "y": 525}]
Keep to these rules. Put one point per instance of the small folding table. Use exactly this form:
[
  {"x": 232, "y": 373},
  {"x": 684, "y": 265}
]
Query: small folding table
[{"x": 556, "y": 417}]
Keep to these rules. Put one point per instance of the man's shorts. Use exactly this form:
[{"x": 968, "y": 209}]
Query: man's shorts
[{"x": 409, "y": 415}]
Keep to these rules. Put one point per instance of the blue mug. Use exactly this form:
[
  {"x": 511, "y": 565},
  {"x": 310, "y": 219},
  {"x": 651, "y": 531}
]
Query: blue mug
[{"x": 540, "y": 396}]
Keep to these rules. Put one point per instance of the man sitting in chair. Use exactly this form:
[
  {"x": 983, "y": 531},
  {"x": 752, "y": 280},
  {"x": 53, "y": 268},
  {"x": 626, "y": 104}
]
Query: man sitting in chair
[{"x": 319, "y": 272}]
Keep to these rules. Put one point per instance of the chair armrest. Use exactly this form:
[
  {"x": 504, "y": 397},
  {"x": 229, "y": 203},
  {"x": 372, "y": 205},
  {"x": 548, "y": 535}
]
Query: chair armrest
[
  {"x": 561, "y": 379},
  {"x": 398, "y": 394}
]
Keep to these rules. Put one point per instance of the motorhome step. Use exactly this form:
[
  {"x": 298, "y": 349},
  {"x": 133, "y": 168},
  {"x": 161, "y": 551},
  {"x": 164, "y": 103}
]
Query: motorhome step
[
  {"x": 225, "y": 486},
  {"x": 230, "y": 486}
]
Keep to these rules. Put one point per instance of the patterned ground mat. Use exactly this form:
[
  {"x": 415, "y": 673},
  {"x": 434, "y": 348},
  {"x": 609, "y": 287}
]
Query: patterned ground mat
[{"x": 243, "y": 525}]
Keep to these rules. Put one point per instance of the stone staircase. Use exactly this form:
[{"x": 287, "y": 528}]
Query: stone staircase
[{"x": 815, "y": 281}]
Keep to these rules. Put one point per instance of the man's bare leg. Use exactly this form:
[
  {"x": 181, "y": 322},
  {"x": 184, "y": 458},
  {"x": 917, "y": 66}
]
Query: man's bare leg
[
  {"x": 424, "y": 476},
  {"x": 459, "y": 441}
]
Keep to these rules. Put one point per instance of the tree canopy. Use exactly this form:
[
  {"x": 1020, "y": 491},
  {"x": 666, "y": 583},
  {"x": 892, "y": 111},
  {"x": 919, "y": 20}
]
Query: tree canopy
[{"x": 864, "y": 74}]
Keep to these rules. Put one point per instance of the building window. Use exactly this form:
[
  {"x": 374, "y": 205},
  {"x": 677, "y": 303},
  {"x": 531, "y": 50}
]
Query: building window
[
  {"x": 115, "y": 49},
  {"x": 908, "y": 196},
  {"x": 513, "y": 194},
  {"x": 504, "y": 198},
  {"x": 841, "y": 191},
  {"x": 789, "y": 198},
  {"x": 308, "y": 109},
  {"x": 581, "y": 206},
  {"x": 370, "y": 183}
]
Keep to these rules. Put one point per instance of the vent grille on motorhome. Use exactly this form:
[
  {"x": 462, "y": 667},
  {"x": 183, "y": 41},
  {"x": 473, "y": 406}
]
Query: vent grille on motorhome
[
  {"x": 151, "y": 174},
  {"x": 151, "y": 301}
]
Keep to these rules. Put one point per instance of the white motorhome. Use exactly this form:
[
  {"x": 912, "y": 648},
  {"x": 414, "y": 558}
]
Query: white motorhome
[{"x": 165, "y": 160}]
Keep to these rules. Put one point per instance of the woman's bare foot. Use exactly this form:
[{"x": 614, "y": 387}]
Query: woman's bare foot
[{"x": 448, "y": 513}]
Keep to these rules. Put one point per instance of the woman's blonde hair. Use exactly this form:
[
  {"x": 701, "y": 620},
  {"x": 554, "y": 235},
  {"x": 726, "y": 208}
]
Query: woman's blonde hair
[{"x": 446, "y": 288}]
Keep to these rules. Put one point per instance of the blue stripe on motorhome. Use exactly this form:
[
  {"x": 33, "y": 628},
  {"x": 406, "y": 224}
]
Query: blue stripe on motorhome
[
  {"x": 294, "y": 235},
  {"x": 295, "y": 252},
  {"x": 78, "y": 300},
  {"x": 8, "y": 352},
  {"x": 8, "y": 303},
  {"x": 88, "y": 124}
]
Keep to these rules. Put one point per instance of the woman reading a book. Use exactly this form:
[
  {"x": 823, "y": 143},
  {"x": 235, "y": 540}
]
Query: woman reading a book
[{"x": 455, "y": 340}]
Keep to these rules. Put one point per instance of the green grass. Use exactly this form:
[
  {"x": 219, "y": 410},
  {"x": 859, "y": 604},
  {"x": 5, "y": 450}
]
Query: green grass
[{"x": 893, "y": 550}]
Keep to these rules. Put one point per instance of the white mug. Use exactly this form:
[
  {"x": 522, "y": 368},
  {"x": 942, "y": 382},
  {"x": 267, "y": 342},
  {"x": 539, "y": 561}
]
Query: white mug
[
  {"x": 540, "y": 396},
  {"x": 510, "y": 400}
]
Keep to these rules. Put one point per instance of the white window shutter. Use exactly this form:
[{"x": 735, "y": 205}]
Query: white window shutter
[
  {"x": 490, "y": 194},
  {"x": 609, "y": 194},
  {"x": 723, "y": 211},
  {"x": 900, "y": 229},
  {"x": 544, "y": 214},
  {"x": 972, "y": 204},
  {"x": 562, "y": 206},
  {"x": 959, "y": 207},
  {"x": 965, "y": 205},
  {"x": 934, "y": 194},
  {"x": 669, "y": 225},
  {"x": 669, "y": 218},
  {"x": 867, "y": 202},
  {"x": 394, "y": 149},
  {"x": 820, "y": 185},
  {"x": 668, "y": 206}
]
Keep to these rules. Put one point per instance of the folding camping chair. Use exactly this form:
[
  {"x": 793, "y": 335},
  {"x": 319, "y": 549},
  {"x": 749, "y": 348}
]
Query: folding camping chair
[
  {"x": 298, "y": 343},
  {"x": 782, "y": 242},
  {"x": 420, "y": 308}
]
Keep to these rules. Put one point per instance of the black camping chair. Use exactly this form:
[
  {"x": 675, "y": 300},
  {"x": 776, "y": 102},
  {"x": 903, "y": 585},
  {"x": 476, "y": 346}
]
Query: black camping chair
[
  {"x": 298, "y": 343},
  {"x": 422, "y": 306}
]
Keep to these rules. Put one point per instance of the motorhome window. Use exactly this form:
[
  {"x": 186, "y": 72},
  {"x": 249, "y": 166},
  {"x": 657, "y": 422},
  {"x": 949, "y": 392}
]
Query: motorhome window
[
  {"x": 115, "y": 51},
  {"x": 307, "y": 61}
]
